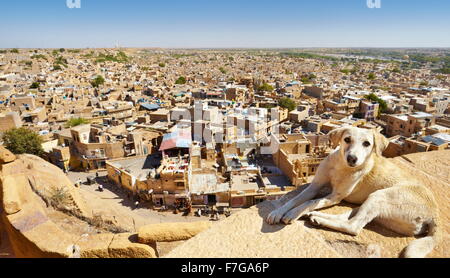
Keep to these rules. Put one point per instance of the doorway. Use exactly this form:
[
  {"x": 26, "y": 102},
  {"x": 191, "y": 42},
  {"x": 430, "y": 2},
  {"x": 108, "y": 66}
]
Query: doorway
[{"x": 212, "y": 200}]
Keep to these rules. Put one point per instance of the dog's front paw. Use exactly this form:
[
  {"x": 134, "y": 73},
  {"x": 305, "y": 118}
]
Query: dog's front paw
[
  {"x": 315, "y": 220},
  {"x": 275, "y": 217},
  {"x": 288, "y": 220},
  {"x": 293, "y": 216}
]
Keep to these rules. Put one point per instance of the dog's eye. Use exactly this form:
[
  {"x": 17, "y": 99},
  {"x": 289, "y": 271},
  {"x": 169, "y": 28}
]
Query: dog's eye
[
  {"x": 348, "y": 140},
  {"x": 366, "y": 144}
]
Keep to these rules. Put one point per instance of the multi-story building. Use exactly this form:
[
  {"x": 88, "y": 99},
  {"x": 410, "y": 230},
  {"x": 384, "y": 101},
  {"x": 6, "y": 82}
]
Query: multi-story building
[{"x": 407, "y": 125}]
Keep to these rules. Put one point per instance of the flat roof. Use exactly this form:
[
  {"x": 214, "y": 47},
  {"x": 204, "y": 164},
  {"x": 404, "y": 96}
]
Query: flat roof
[
  {"x": 202, "y": 183},
  {"x": 439, "y": 127},
  {"x": 401, "y": 117},
  {"x": 434, "y": 140},
  {"x": 242, "y": 183},
  {"x": 138, "y": 167},
  {"x": 421, "y": 115},
  {"x": 161, "y": 112},
  {"x": 352, "y": 97}
]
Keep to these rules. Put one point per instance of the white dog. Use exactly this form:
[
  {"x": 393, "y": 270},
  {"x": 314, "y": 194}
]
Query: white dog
[{"x": 358, "y": 174}]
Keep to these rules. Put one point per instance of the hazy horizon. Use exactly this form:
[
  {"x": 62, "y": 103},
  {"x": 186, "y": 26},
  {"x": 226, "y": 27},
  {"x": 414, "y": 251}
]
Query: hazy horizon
[{"x": 226, "y": 48}]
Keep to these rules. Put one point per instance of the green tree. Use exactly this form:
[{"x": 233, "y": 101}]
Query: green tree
[
  {"x": 443, "y": 70},
  {"x": 57, "y": 67},
  {"x": 181, "y": 80},
  {"x": 308, "y": 79},
  {"x": 162, "y": 65},
  {"x": 23, "y": 140},
  {"x": 39, "y": 56},
  {"x": 122, "y": 57},
  {"x": 61, "y": 61},
  {"x": 287, "y": 103},
  {"x": 14, "y": 50},
  {"x": 99, "y": 80},
  {"x": 371, "y": 76},
  {"x": 265, "y": 88},
  {"x": 76, "y": 122},
  {"x": 375, "y": 98},
  {"x": 35, "y": 85},
  {"x": 222, "y": 70}
]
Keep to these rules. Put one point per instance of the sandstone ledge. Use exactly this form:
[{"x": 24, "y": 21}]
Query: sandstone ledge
[
  {"x": 6, "y": 156},
  {"x": 169, "y": 232},
  {"x": 32, "y": 233}
]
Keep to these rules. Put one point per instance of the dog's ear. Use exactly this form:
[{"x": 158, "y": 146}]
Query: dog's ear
[
  {"x": 335, "y": 136},
  {"x": 380, "y": 142}
]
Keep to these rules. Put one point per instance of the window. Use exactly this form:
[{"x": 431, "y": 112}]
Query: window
[{"x": 180, "y": 184}]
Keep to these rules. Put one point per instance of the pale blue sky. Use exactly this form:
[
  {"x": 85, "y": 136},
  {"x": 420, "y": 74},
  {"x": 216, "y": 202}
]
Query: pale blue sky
[{"x": 224, "y": 23}]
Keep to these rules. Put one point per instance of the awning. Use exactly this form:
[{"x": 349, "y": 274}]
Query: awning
[{"x": 178, "y": 139}]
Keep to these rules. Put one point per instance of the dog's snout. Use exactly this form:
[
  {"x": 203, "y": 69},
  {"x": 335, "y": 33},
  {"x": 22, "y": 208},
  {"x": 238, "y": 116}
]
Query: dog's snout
[{"x": 351, "y": 159}]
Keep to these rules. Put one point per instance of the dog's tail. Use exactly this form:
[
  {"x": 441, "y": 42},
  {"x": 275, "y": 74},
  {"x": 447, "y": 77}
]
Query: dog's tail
[{"x": 420, "y": 248}]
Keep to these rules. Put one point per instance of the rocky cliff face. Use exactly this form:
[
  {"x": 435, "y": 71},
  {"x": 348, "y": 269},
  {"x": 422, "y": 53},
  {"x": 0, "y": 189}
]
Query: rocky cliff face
[
  {"x": 29, "y": 186},
  {"x": 48, "y": 182},
  {"x": 247, "y": 235}
]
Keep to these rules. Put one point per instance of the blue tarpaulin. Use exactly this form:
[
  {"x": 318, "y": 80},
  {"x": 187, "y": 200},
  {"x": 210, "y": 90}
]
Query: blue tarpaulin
[{"x": 150, "y": 107}]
